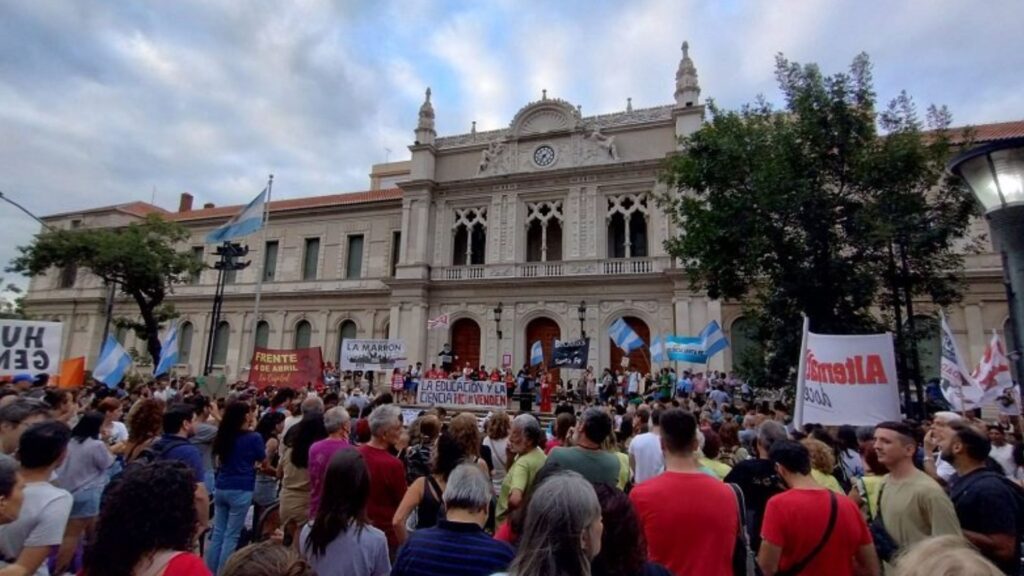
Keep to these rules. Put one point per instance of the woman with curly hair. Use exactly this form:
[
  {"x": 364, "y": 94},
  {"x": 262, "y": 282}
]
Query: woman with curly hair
[
  {"x": 138, "y": 534},
  {"x": 267, "y": 559},
  {"x": 823, "y": 461},
  {"x": 425, "y": 493},
  {"x": 238, "y": 450},
  {"x": 466, "y": 433},
  {"x": 145, "y": 423}
]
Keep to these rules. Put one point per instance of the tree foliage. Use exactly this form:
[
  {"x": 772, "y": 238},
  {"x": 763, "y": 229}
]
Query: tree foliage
[
  {"x": 791, "y": 210},
  {"x": 142, "y": 258},
  {"x": 11, "y": 299}
]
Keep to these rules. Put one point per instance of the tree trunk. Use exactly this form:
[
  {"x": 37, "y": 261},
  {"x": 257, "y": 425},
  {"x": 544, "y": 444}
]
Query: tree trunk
[{"x": 147, "y": 309}]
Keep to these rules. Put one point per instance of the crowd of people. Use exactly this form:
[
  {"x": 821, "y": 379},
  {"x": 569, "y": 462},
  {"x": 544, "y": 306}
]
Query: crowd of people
[{"x": 163, "y": 480}]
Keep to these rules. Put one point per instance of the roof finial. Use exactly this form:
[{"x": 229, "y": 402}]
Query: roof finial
[
  {"x": 544, "y": 94},
  {"x": 426, "y": 121},
  {"x": 629, "y": 104},
  {"x": 687, "y": 87},
  {"x": 428, "y": 92},
  {"x": 686, "y": 49},
  {"x": 473, "y": 129}
]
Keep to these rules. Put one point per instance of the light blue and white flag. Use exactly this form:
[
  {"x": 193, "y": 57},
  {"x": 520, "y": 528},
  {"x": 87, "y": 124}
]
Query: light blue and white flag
[
  {"x": 658, "y": 349},
  {"x": 536, "y": 353},
  {"x": 168, "y": 351},
  {"x": 697, "y": 350},
  {"x": 112, "y": 364},
  {"x": 624, "y": 336},
  {"x": 249, "y": 220}
]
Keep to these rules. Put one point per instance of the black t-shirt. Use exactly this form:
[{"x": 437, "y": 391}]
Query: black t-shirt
[
  {"x": 987, "y": 503},
  {"x": 759, "y": 482}
]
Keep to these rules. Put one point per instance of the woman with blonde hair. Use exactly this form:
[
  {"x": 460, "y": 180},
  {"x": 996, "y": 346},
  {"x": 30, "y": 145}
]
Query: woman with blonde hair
[
  {"x": 944, "y": 556},
  {"x": 823, "y": 461}
]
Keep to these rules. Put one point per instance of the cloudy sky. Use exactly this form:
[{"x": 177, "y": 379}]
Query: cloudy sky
[{"x": 109, "y": 102}]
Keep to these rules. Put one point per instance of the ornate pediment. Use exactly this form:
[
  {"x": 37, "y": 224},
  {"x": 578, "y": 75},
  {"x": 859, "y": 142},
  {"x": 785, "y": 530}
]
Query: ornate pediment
[{"x": 546, "y": 115}]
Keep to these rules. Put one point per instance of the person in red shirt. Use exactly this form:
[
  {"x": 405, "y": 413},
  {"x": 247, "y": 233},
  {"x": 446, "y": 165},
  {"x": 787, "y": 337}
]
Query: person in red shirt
[
  {"x": 796, "y": 522},
  {"x": 387, "y": 475},
  {"x": 690, "y": 519}
]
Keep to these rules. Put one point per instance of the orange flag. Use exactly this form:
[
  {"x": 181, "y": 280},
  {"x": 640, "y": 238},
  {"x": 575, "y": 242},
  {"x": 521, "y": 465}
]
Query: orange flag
[{"x": 72, "y": 373}]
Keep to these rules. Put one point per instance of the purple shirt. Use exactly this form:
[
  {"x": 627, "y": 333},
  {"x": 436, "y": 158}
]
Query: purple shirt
[{"x": 319, "y": 456}]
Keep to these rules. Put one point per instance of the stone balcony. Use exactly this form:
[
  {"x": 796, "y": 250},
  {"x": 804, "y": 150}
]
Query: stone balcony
[{"x": 563, "y": 269}]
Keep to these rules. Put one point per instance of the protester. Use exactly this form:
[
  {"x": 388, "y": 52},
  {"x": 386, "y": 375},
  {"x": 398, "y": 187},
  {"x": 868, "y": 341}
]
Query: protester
[
  {"x": 987, "y": 504},
  {"x": 563, "y": 529},
  {"x": 127, "y": 546},
  {"x": 525, "y": 441},
  {"x": 387, "y": 476},
  {"x": 457, "y": 545},
  {"x": 757, "y": 478},
  {"x": 12, "y": 489},
  {"x": 294, "y": 467},
  {"x": 645, "y": 456},
  {"x": 496, "y": 440},
  {"x": 938, "y": 433},
  {"x": 808, "y": 529},
  {"x": 823, "y": 462},
  {"x": 16, "y": 417},
  {"x": 623, "y": 546},
  {"x": 587, "y": 457},
  {"x": 84, "y": 474},
  {"x": 420, "y": 451},
  {"x": 336, "y": 423},
  {"x": 269, "y": 428},
  {"x": 1002, "y": 451},
  {"x": 145, "y": 421},
  {"x": 912, "y": 505},
  {"x": 710, "y": 448},
  {"x": 424, "y": 496},
  {"x": 564, "y": 424},
  {"x": 944, "y": 556},
  {"x": 849, "y": 452},
  {"x": 695, "y": 534},
  {"x": 341, "y": 540},
  {"x": 267, "y": 559},
  {"x": 175, "y": 445},
  {"x": 204, "y": 431},
  {"x": 237, "y": 450},
  {"x": 113, "y": 432},
  {"x": 26, "y": 542}
]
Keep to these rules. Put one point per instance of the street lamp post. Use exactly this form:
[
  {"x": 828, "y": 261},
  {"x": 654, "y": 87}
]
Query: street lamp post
[
  {"x": 229, "y": 254},
  {"x": 995, "y": 174},
  {"x": 581, "y": 313},
  {"x": 497, "y": 319}
]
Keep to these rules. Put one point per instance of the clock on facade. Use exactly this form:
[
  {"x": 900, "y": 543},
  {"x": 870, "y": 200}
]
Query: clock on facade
[{"x": 544, "y": 156}]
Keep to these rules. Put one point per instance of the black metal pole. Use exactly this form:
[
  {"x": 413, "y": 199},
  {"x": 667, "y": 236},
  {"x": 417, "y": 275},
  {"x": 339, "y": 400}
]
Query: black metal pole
[
  {"x": 215, "y": 313},
  {"x": 915, "y": 358},
  {"x": 901, "y": 342}
]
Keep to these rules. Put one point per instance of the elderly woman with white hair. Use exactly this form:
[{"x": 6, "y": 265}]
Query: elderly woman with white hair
[
  {"x": 526, "y": 441},
  {"x": 458, "y": 543},
  {"x": 387, "y": 486}
]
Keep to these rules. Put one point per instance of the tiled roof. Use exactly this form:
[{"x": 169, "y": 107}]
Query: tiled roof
[
  {"x": 140, "y": 209},
  {"x": 988, "y": 132},
  {"x": 294, "y": 204}
]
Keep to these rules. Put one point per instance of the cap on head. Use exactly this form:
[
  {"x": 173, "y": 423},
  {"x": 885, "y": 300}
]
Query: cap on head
[{"x": 22, "y": 378}]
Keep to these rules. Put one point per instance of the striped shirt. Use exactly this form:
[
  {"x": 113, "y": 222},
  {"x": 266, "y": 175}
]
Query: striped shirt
[{"x": 452, "y": 549}]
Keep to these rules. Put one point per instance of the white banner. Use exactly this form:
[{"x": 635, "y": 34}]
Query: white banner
[
  {"x": 462, "y": 393},
  {"x": 29, "y": 347},
  {"x": 847, "y": 380},
  {"x": 370, "y": 355}
]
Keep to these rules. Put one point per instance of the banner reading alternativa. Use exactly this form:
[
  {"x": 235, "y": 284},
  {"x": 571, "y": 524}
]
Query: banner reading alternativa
[
  {"x": 462, "y": 393},
  {"x": 286, "y": 368},
  {"x": 29, "y": 347}
]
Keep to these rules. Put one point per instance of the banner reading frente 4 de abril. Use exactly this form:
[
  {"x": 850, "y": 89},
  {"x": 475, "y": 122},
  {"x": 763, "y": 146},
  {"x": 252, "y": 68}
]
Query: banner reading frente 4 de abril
[
  {"x": 29, "y": 347},
  {"x": 462, "y": 393},
  {"x": 849, "y": 379}
]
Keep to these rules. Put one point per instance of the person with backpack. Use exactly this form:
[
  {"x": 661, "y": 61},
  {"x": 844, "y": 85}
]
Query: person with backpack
[
  {"x": 424, "y": 495},
  {"x": 237, "y": 449},
  {"x": 175, "y": 445},
  {"x": 988, "y": 505}
]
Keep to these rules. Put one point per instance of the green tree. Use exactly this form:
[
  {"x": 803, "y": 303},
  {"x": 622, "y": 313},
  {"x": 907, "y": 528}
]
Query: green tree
[
  {"x": 780, "y": 208},
  {"x": 142, "y": 258},
  {"x": 11, "y": 299}
]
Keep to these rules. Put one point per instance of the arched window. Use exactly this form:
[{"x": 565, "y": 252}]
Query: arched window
[
  {"x": 627, "y": 226},
  {"x": 469, "y": 243},
  {"x": 303, "y": 334},
  {"x": 346, "y": 331},
  {"x": 638, "y": 358},
  {"x": 220, "y": 343},
  {"x": 185, "y": 343},
  {"x": 544, "y": 231},
  {"x": 262, "y": 334}
]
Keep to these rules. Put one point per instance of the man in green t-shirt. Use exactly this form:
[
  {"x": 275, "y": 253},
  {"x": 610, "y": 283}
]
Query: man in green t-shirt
[
  {"x": 525, "y": 441},
  {"x": 587, "y": 457}
]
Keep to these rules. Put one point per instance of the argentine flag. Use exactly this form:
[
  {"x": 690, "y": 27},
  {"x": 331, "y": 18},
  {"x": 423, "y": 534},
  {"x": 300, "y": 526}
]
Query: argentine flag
[
  {"x": 244, "y": 223},
  {"x": 658, "y": 350},
  {"x": 713, "y": 339},
  {"x": 624, "y": 336},
  {"x": 112, "y": 364},
  {"x": 536, "y": 353},
  {"x": 168, "y": 351}
]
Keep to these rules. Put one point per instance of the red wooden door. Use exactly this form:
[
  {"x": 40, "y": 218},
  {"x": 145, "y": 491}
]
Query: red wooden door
[
  {"x": 547, "y": 331},
  {"x": 466, "y": 343},
  {"x": 640, "y": 356}
]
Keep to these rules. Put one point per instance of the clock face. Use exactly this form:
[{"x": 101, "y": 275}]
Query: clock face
[{"x": 544, "y": 156}]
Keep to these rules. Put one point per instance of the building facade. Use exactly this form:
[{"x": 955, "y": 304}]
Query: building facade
[{"x": 543, "y": 230}]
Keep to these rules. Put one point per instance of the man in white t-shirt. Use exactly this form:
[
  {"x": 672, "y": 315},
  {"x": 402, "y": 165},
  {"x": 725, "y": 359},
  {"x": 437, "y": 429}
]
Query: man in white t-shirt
[
  {"x": 645, "y": 457},
  {"x": 1001, "y": 451},
  {"x": 27, "y": 542}
]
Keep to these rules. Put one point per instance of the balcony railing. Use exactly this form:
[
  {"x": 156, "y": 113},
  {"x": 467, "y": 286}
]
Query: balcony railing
[{"x": 567, "y": 268}]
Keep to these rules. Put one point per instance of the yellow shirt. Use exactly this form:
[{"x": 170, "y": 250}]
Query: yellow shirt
[
  {"x": 826, "y": 481},
  {"x": 721, "y": 469}
]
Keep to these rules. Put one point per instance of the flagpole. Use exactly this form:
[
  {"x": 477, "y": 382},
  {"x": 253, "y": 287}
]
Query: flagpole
[{"x": 259, "y": 267}]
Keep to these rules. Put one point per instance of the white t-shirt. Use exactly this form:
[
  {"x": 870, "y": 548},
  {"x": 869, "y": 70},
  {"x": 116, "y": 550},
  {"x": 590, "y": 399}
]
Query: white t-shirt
[
  {"x": 44, "y": 515},
  {"x": 646, "y": 452},
  {"x": 118, "y": 432},
  {"x": 1004, "y": 455}
]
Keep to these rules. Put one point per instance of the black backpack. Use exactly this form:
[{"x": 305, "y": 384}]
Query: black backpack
[{"x": 156, "y": 451}]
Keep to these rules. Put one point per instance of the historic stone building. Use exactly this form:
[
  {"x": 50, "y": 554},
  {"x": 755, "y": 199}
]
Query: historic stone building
[{"x": 551, "y": 220}]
